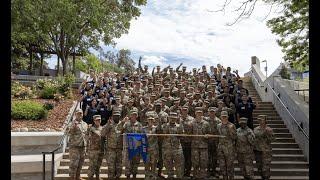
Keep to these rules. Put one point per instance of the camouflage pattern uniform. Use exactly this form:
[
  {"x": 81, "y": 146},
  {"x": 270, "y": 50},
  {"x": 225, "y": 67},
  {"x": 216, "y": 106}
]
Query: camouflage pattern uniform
[
  {"x": 129, "y": 127},
  {"x": 213, "y": 143},
  {"x": 172, "y": 150},
  {"x": 263, "y": 149},
  {"x": 77, "y": 143},
  {"x": 186, "y": 142},
  {"x": 226, "y": 148},
  {"x": 153, "y": 152},
  {"x": 244, "y": 145},
  {"x": 113, "y": 148},
  {"x": 199, "y": 148},
  {"x": 95, "y": 150},
  {"x": 163, "y": 119}
]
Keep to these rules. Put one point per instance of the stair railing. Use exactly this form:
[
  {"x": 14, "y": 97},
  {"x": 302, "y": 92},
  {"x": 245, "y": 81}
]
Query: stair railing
[
  {"x": 284, "y": 106},
  {"x": 55, "y": 150}
]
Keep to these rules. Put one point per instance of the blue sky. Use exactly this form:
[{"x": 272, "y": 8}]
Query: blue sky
[{"x": 187, "y": 31}]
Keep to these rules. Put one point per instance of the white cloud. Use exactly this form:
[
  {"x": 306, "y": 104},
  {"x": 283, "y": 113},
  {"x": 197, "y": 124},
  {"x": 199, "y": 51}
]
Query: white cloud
[
  {"x": 187, "y": 28},
  {"x": 153, "y": 60}
]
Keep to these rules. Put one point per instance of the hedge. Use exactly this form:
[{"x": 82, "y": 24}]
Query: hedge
[{"x": 28, "y": 110}]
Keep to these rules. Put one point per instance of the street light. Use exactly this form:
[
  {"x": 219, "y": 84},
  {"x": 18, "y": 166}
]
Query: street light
[{"x": 266, "y": 68}]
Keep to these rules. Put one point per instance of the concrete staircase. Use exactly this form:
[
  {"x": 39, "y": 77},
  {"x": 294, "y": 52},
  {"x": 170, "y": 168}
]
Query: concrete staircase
[{"x": 288, "y": 162}]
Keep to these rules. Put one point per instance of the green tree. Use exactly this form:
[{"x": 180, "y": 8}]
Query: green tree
[
  {"x": 293, "y": 29},
  {"x": 125, "y": 61},
  {"x": 66, "y": 26}
]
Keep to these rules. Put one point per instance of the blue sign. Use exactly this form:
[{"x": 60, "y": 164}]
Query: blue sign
[{"x": 137, "y": 144}]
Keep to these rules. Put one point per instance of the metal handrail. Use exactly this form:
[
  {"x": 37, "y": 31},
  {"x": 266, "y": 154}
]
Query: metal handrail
[
  {"x": 285, "y": 107},
  {"x": 56, "y": 149}
]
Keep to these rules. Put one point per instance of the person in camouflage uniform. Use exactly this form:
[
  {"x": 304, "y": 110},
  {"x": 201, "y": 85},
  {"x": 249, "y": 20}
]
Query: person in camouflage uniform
[
  {"x": 199, "y": 145},
  {"x": 95, "y": 148},
  {"x": 153, "y": 149},
  {"x": 114, "y": 145},
  {"x": 77, "y": 143},
  {"x": 263, "y": 149},
  {"x": 162, "y": 119},
  {"x": 186, "y": 122},
  {"x": 132, "y": 126},
  {"x": 172, "y": 150},
  {"x": 244, "y": 146},
  {"x": 213, "y": 142},
  {"x": 226, "y": 146}
]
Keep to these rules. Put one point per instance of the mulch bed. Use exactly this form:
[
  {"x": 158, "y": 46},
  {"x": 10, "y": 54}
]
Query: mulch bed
[{"x": 56, "y": 116}]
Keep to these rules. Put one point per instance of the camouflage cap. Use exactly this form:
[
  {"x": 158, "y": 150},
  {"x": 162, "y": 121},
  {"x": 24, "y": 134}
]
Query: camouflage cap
[
  {"x": 185, "y": 107},
  {"x": 224, "y": 113},
  {"x": 173, "y": 115},
  {"x": 212, "y": 109},
  {"x": 134, "y": 111},
  {"x": 96, "y": 117},
  {"x": 262, "y": 117},
  {"x": 158, "y": 103},
  {"x": 176, "y": 100},
  {"x": 166, "y": 90},
  {"x": 243, "y": 120},
  {"x": 220, "y": 102},
  {"x": 116, "y": 113},
  {"x": 79, "y": 111},
  {"x": 198, "y": 109}
]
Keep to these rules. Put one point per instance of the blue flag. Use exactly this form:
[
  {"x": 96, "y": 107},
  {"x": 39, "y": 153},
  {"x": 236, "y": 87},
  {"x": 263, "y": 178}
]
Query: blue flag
[{"x": 137, "y": 144}]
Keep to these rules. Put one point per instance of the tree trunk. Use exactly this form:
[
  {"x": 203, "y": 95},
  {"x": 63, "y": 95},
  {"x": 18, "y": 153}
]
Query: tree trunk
[
  {"x": 30, "y": 65},
  {"x": 58, "y": 65},
  {"x": 64, "y": 61},
  {"x": 41, "y": 64},
  {"x": 74, "y": 63}
]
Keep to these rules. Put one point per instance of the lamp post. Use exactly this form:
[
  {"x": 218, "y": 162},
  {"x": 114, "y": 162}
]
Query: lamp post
[{"x": 266, "y": 68}]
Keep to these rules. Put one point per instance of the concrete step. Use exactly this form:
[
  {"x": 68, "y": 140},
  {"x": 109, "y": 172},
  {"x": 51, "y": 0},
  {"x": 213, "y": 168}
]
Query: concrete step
[
  {"x": 274, "y": 164},
  {"x": 268, "y": 113},
  {"x": 141, "y": 176},
  {"x": 285, "y": 140},
  {"x": 273, "y": 126},
  {"x": 270, "y": 122},
  {"x": 274, "y": 171}
]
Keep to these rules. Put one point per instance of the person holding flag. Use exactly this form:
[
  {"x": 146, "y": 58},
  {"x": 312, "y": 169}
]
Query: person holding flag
[
  {"x": 152, "y": 150},
  {"x": 132, "y": 126}
]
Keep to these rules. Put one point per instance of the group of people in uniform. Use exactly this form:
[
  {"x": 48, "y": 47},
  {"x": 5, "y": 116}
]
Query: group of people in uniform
[{"x": 171, "y": 104}]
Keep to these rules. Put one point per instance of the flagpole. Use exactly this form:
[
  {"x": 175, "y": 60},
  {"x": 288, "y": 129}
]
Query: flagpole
[{"x": 180, "y": 135}]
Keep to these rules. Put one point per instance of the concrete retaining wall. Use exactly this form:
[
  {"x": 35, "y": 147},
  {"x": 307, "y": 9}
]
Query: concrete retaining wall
[
  {"x": 293, "y": 103},
  {"x": 27, "y": 148}
]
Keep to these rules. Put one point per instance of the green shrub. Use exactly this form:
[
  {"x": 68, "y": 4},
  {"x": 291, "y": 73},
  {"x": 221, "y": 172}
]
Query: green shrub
[
  {"x": 64, "y": 84},
  {"x": 48, "y": 106},
  {"x": 20, "y": 91},
  {"x": 28, "y": 110},
  {"x": 48, "y": 92}
]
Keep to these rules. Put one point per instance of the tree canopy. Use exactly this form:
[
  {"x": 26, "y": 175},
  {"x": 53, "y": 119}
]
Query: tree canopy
[
  {"x": 292, "y": 27},
  {"x": 66, "y": 26}
]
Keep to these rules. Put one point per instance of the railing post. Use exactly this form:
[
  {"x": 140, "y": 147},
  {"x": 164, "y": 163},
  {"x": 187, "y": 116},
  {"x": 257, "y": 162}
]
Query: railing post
[
  {"x": 52, "y": 166},
  {"x": 44, "y": 166}
]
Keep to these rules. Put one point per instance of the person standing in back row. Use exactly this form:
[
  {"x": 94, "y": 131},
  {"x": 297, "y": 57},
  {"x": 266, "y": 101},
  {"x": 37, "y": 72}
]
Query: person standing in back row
[{"x": 263, "y": 149}]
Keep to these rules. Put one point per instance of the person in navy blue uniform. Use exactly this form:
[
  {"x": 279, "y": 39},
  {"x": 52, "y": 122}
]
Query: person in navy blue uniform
[
  {"x": 245, "y": 109},
  {"x": 87, "y": 99},
  {"x": 90, "y": 111},
  {"x": 104, "y": 110}
]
